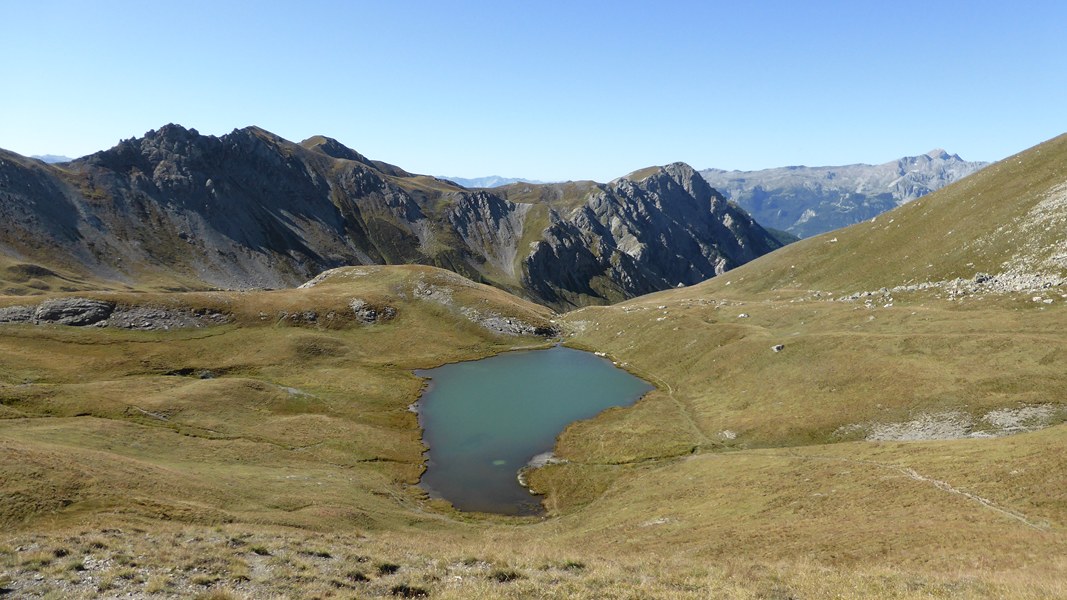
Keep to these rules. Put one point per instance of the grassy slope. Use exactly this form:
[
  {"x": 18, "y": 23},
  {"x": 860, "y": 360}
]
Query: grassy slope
[
  {"x": 290, "y": 406},
  {"x": 745, "y": 451},
  {"x": 972, "y": 226},
  {"x": 19, "y": 278},
  {"x": 734, "y": 478}
]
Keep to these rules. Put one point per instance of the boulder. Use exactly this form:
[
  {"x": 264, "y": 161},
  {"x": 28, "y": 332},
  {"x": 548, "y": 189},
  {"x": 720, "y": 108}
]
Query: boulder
[{"x": 73, "y": 311}]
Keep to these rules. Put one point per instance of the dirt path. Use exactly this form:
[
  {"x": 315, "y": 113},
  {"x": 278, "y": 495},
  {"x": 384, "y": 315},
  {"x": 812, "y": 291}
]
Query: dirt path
[
  {"x": 702, "y": 438},
  {"x": 937, "y": 483}
]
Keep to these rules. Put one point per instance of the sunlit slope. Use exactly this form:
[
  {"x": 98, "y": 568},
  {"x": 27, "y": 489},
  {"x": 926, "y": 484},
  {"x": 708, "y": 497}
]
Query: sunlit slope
[
  {"x": 1009, "y": 219},
  {"x": 927, "y": 343},
  {"x": 981, "y": 505},
  {"x": 20, "y": 278},
  {"x": 843, "y": 367},
  {"x": 296, "y": 412},
  {"x": 919, "y": 425},
  {"x": 851, "y": 360}
]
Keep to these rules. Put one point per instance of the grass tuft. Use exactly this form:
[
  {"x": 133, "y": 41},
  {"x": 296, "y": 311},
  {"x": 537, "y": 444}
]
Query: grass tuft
[
  {"x": 36, "y": 560},
  {"x": 387, "y": 568},
  {"x": 205, "y": 580},
  {"x": 157, "y": 584},
  {"x": 408, "y": 591},
  {"x": 505, "y": 575},
  {"x": 357, "y": 576}
]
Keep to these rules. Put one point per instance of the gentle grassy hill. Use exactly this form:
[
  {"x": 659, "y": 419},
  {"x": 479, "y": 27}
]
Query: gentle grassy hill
[
  {"x": 19, "y": 278},
  {"x": 233, "y": 421}
]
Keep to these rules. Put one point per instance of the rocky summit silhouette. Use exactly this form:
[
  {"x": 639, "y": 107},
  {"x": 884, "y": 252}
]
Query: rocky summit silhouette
[{"x": 177, "y": 209}]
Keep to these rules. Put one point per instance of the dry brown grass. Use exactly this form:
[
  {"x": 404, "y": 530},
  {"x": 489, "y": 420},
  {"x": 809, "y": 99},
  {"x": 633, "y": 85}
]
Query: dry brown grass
[
  {"x": 455, "y": 567},
  {"x": 290, "y": 472}
]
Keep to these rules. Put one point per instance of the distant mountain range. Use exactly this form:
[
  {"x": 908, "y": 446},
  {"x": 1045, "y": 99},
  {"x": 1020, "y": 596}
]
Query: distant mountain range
[
  {"x": 176, "y": 209},
  {"x": 807, "y": 201},
  {"x": 52, "y": 158},
  {"x": 491, "y": 181}
]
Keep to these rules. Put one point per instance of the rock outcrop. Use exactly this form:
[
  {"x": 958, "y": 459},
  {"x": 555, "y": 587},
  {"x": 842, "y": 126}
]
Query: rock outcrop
[
  {"x": 252, "y": 210},
  {"x": 86, "y": 312},
  {"x": 73, "y": 311},
  {"x": 367, "y": 313}
]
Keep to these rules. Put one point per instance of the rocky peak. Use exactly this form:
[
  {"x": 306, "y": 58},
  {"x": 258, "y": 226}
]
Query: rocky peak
[
  {"x": 690, "y": 180},
  {"x": 172, "y": 140},
  {"x": 648, "y": 231},
  {"x": 676, "y": 184},
  {"x": 333, "y": 148},
  {"x": 172, "y": 131}
]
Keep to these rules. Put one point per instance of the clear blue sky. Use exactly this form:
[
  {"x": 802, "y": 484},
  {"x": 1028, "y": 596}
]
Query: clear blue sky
[{"x": 545, "y": 90}]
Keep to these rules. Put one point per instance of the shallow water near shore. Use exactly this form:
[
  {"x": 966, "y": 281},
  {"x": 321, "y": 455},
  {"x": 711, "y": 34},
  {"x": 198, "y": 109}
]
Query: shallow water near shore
[{"x": 484, "y": 420}]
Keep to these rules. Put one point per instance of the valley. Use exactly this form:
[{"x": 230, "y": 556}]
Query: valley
[{"x": 873, "y": 412}]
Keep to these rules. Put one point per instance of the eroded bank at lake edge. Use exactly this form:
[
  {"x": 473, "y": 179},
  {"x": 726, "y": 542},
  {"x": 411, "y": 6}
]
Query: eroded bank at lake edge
[{"x": 484, "y": 420}]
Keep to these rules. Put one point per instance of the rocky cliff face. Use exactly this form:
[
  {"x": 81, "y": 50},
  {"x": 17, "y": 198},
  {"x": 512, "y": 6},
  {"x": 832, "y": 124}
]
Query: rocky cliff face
[
  {"x": 807, "y": 201},
  {"x": 642, "y": 234},
  {"x": 249, "y": 209}
]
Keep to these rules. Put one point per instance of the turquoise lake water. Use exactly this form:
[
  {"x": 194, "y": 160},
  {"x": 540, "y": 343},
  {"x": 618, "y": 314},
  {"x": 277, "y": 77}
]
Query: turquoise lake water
[{"x": 484, "y": 420}]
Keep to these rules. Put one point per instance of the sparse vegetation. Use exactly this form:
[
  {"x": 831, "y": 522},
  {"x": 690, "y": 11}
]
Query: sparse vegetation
[
  {"x": 217, "y": 595},
  {"x": 157, "y": 584},
  {"x": 36, "y": 560}
]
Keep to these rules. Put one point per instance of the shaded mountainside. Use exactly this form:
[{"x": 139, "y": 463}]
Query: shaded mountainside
[
  {"x": 807, "y": 201},
  {"x": 651, "y": 230},
  {"x": 249, "y": 209}
]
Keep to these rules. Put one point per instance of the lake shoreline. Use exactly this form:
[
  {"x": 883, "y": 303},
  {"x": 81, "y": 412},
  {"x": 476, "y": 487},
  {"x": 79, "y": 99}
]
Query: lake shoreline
[{"x": 577, "y": 386}]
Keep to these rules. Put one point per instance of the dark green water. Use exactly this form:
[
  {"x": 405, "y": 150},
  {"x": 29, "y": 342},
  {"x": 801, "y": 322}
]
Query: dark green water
[{"x": 484, "y": 420}]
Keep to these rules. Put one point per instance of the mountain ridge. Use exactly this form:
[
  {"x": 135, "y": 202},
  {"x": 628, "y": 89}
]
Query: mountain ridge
[
  {"x": 807, "y": 201},
  {"x": 490, "y": 181},
  {"x": 251, "y": 209},
  {"x": 52, "y": 158}
]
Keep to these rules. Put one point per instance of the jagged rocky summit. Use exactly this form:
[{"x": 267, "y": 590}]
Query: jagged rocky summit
[
  {"x": 807, "y": 201},
  {"x": 178, "y": 209}
]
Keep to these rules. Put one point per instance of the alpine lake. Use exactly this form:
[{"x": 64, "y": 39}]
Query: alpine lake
[{"x": 483, "y": 421}]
